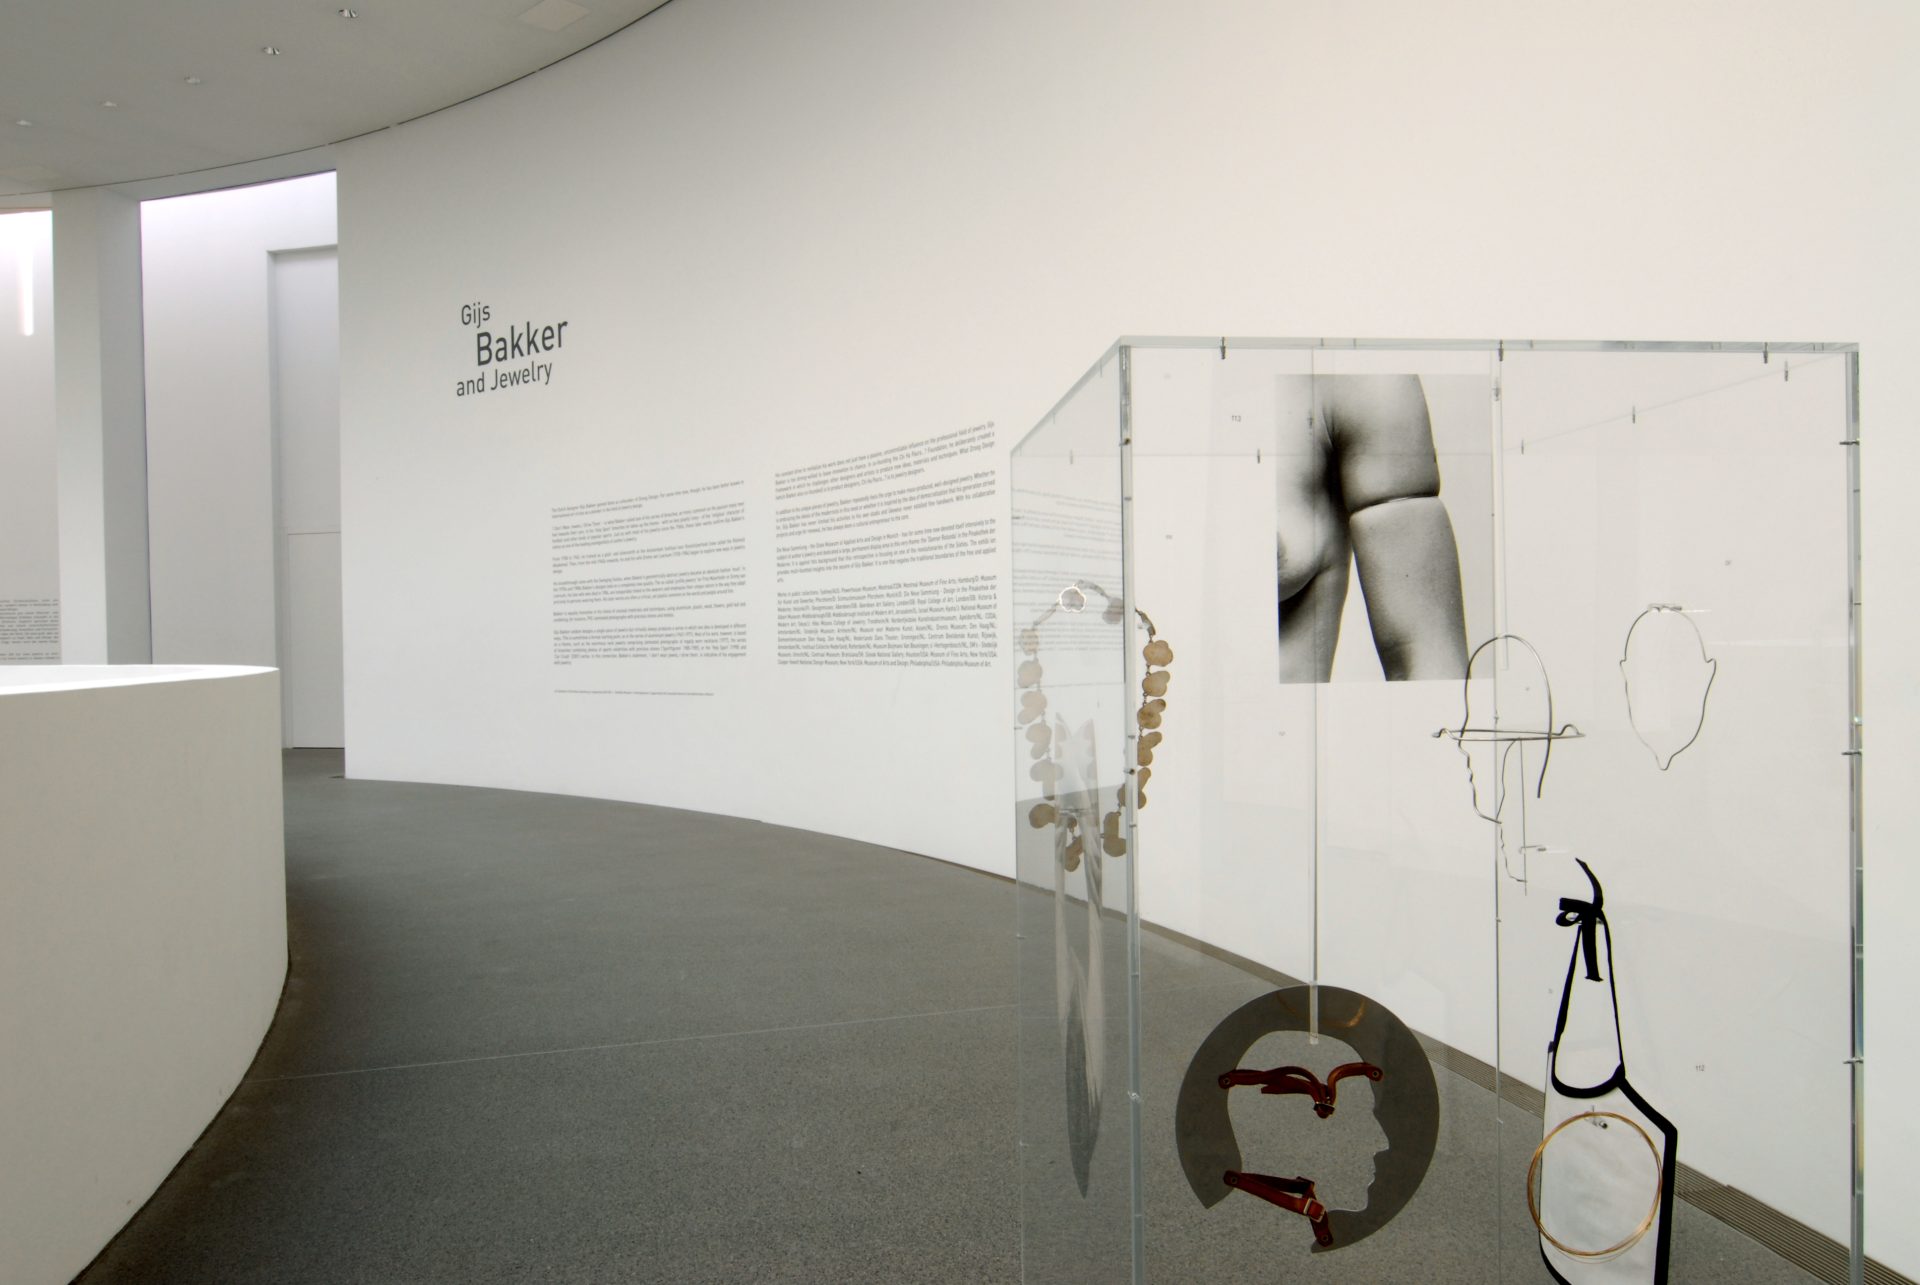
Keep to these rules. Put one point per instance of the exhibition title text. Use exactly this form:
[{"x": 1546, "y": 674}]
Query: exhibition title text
[{"x": 509, "y": 359}]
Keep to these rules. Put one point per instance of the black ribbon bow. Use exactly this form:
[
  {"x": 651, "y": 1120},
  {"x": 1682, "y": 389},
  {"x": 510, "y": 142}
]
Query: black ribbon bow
[{"x": 1585, "y": 917}]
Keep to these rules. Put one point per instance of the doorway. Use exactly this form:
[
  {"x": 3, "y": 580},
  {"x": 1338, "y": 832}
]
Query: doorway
[{"x": 305, "y": 321}]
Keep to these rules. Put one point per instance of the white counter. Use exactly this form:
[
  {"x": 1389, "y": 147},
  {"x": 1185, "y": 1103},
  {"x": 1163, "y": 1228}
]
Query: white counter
[
  {"x": 143, "y": 934},
  {"x": 64, "y": 678}
]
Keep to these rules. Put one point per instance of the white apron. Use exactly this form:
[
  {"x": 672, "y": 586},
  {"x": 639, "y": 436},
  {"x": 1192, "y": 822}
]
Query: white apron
[{"x": 1604, "y": 1172}]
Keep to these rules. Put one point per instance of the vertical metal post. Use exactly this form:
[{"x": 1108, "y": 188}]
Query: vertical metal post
[
  {"x": 1316, "y": 419},
  {"x": 1857, "y": 1259},
  {"x": 1019, "y": 894},
  {"x": 1137, "y": 1164},
  {"x": 1496, "y": 519}
]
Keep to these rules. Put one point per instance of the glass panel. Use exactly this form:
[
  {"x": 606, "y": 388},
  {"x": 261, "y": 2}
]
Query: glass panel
[
  {"x": 1070, "y": 756},
  {"x": 1309, "y": 522},
  {"x": 1676, "y": 535}
]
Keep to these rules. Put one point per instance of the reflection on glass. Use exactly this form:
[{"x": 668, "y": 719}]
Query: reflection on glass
[{"x": 1066, "y": 767}]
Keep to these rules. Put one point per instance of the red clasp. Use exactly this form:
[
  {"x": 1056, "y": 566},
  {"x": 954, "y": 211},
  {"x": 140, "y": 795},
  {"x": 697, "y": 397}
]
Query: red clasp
[
  {"x": 1297, "y": 1079},
  {"x": 1293, "y": 1194}
]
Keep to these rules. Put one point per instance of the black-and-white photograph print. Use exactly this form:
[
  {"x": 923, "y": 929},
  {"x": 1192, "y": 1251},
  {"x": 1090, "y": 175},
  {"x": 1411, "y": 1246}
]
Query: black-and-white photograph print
[{"x": 1383, "y": 546}]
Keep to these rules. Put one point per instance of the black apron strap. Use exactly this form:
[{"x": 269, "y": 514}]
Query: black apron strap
[{"x": 1588, "y": 919}]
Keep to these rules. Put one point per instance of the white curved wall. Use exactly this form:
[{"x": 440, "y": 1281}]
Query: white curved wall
[
  {"x": 788, "y": 234},
  {"x": 143, "y": 934}
]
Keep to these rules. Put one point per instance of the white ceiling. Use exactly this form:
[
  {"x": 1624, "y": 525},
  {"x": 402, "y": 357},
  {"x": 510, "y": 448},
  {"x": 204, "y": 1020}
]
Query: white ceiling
[{"x": 334, "y": 77}]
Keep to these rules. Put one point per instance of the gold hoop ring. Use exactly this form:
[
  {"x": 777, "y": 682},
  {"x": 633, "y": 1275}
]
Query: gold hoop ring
[{"x": 1646, "y": 1224}]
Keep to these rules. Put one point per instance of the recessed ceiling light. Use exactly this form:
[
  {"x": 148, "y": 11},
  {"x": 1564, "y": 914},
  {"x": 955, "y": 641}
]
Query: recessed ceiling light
[
  {"x": 109, "y": 103},
  {"x": 193, "y": 80},
  {"x": 269, "y": 49},
  {"x": 23, "y": 122}
]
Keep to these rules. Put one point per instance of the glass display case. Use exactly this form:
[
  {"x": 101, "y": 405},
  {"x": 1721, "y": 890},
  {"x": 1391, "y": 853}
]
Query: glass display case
[{"x": 1437, "y": 814}]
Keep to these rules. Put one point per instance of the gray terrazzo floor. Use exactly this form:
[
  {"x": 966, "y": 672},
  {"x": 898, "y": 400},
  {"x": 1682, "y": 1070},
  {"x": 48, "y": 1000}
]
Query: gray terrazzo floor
[{"x": 538, "y": 1038}]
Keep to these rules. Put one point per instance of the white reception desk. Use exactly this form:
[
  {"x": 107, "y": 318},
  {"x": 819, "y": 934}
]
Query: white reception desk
[{"x": 143, "y": 934}]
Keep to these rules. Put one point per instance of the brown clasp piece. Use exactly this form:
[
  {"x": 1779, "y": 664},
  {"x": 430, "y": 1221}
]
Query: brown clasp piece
[
  {"x": 1297, "y": 1079},
  {"x": 1295, "y": 1194}
]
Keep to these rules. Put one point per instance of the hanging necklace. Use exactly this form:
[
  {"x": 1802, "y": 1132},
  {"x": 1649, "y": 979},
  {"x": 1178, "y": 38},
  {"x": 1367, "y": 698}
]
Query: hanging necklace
[{"x": 1041, "y": 734}]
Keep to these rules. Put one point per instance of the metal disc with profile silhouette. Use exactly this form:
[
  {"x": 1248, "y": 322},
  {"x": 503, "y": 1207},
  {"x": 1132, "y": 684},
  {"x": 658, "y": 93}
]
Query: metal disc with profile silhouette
[{"x": 1406, "y": 1105}]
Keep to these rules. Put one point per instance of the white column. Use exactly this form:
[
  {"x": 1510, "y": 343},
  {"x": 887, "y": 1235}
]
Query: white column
[{"x": 100, "y": 417}]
